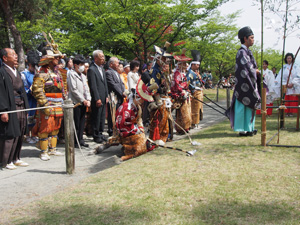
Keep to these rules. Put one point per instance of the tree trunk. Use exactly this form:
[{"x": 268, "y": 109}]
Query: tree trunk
[{"x": 15, "y": 33}]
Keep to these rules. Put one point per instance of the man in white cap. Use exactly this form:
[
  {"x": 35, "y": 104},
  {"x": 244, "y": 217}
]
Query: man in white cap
[{"x": 195, "y": 86}]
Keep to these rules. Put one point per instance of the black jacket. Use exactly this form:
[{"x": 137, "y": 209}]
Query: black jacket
[
  {"x": 98, "y": 86},
  {"x": 11, "y": 129}
]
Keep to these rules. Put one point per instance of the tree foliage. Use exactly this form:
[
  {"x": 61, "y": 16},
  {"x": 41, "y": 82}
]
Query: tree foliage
[
  {"x": 287, "y": 11},
  {"x": 215, "y": 37},
  {"x": 126, "y": 28}
]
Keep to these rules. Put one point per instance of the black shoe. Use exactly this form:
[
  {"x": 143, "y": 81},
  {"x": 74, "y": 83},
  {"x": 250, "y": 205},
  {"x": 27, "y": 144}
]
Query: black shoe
[
  {"x": 243, "y": 134},
  {"x": 254, "y": 132},
  {"x": 250, "y": 133},
  {"x": 104, "y": 138},
  {"x": 98, "y": 140},
  {"x": 110, "y": 133},
  {"x": 84, "y": 144}
]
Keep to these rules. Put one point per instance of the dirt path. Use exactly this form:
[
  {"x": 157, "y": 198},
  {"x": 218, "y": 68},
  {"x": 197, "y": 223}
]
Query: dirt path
[{"x": 40, "y": 178}]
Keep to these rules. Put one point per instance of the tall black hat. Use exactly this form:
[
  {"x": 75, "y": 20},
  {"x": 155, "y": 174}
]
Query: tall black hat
[
  {"x": 196, "y": 57},
  {"x": 245, "y": 32}
]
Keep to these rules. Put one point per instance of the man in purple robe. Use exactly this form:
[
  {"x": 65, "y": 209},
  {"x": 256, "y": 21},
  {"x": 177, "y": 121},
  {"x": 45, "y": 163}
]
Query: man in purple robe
[{"x": 246, "y": 96}]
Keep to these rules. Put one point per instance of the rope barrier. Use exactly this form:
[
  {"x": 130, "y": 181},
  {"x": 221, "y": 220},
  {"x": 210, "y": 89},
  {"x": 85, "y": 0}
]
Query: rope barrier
[
  {"x": 37, "y": 108},
  {"x": 77, "y": 141},
  {"x": 65, "y": 106}
]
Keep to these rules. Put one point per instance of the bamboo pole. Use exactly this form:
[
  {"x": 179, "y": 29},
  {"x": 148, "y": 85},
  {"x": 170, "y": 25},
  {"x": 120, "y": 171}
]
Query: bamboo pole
[
  {"x": 263, "y": 90},
  {"x": 281, "y": 112},
  {"x": 263, "y": 118},
  {"x": 69, "y": 136}
]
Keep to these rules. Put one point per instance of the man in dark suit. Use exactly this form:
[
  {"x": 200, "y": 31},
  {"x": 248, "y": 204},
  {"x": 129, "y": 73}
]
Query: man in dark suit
[
  {"x": 99, "y": 93},
  {"x": 116, "y": 85},
  {"x": 12, "y": 97}
]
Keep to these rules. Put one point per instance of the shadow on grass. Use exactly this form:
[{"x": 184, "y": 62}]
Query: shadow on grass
[
  {"x": 233, "y": 212},
  {"x": 218, "y": 212},
  {"x": 214, "y": 134},
  {"x": 82, "y": 214},
  {"x": 109, "y": 157}
]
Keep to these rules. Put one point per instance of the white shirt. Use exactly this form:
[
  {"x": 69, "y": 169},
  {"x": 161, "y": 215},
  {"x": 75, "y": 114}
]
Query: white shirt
[
  {"x": 269, "y": 80},
  {"x": 132, "y": 79},
  {"x": 286, "y": 70},
  {"x": 100, "y": 70}
]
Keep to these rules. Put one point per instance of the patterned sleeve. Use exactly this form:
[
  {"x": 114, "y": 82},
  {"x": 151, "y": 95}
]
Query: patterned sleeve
[
  {"x": 246, "y": 86},
  {"x": 189, "y": 78},
  {"x": 125, "y": 121},
  {"x": 177, "y": 80}
]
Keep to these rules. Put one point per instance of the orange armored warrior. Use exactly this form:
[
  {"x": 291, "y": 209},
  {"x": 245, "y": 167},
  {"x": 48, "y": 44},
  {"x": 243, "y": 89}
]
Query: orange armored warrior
[{"x": 48, "y": 89}]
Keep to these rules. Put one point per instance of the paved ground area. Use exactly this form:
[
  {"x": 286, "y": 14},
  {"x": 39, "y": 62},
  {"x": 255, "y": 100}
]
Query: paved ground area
[{"x": 26, "y": 184}]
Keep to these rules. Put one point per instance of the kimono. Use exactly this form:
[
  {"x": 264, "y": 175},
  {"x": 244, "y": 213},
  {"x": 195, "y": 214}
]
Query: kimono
[
  {"x": 130, "y": 129},
  {"x": 12, "y": 97},
  {"x": 195, "y": 84},
  {"x": 181, "y": 102},
  {"x": 290, "y": 92},
  {"x": 269, "y": 82},
  {"x": 11, "y": 129},
  {"x": 246, "y": 95}
]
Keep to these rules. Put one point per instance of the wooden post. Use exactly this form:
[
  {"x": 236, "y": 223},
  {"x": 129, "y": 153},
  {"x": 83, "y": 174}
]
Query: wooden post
[
  {"x": 282, "y": 111},
  {"x": 228, "y": 97},
  {"x": 217, "y": 98},
  {"x": 263, "y": 117},
  {"x": 69, "y": 136}
]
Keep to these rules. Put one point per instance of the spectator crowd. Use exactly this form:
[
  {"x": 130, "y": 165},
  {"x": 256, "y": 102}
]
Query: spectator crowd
[{"x": 127, "y": 96}]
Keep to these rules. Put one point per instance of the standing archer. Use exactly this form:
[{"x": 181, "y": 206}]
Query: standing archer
[
  {"x": 195, "y": 86},
  {"x": 246, "y": 95}
]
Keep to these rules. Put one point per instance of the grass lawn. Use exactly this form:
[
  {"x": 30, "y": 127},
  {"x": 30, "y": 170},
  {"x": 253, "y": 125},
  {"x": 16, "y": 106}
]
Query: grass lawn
[
  {"x": 212, "y": 94},
  {"x": 230, "y": 180}
]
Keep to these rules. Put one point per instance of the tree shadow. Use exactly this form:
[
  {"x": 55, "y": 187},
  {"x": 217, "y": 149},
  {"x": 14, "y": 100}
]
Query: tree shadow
[
  {"x": 234, "y": 212},
  {"x": 80, "y": 211},
  {"x": 46, "y": 171},
  {"x": 214, "y": 134},
  {"x": 30, "y": 153},
  {"x": 108, "y": 158}
]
